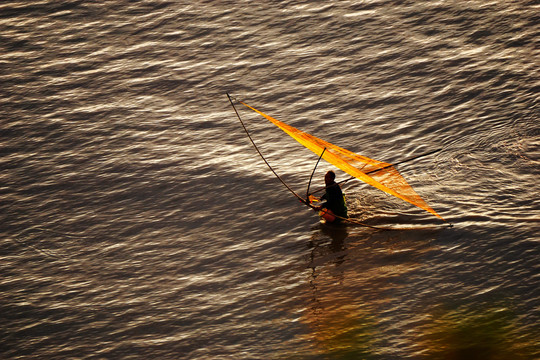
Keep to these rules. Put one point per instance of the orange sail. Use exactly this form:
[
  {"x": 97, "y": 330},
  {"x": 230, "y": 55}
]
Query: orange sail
[{"x": 379, "y": 174}]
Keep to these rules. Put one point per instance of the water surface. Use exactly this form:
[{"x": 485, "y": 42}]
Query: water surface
[{"x": 138, "y": 221}]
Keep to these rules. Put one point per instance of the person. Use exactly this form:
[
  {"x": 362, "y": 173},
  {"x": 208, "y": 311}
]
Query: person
[{"x": 335, "y": 200}]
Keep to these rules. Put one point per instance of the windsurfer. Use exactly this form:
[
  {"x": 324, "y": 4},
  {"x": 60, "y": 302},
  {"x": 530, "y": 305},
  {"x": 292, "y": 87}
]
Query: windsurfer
[{"x": 335, "y": 200}]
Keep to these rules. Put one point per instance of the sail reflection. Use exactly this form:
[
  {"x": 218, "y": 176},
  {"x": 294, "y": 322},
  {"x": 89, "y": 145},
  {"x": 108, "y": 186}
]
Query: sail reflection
[
  {"x": 371, "y": 299},
  {"x": 483, "y": 331}
]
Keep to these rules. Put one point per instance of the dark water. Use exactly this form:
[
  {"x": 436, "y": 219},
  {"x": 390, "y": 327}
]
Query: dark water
[{"x": 137, "y": 221}]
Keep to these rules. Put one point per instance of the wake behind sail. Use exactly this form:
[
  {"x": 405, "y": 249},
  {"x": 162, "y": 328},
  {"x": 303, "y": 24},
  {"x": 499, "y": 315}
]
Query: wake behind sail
[{"x": 378, "y": 174}]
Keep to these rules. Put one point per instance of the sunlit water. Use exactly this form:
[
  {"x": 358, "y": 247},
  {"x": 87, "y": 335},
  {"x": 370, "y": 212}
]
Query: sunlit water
[{"x": 139, "y": 222}]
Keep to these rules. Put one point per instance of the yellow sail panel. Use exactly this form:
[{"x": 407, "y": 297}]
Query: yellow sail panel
[{"x": 385, "y": 178}]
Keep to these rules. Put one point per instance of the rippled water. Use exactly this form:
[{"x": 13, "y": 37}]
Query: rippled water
[{"x": 138, "y": 221}]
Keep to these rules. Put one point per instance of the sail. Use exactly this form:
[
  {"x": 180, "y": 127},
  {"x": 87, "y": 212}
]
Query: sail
[{"x": 379, "y": 174}]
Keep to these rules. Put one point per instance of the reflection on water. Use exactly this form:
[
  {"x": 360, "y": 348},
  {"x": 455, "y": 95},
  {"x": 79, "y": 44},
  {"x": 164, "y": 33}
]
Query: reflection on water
[
  {"x": 366, "y": 285},
  {"x": 350, "y": 277},
  {"x": 339, "y": 328},
  {"x": 488, "y": 333},
  {"x": 320, "y": 248},
  {"x": 345, "y": 332}
]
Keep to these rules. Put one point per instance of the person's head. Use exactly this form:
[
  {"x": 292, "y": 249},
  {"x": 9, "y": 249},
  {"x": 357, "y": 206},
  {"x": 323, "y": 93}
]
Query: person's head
[{"x": 329, "y": 177}]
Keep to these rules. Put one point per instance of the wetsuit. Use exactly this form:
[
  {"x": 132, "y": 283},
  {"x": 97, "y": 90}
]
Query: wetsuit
[{"x": 335, "y": 201}]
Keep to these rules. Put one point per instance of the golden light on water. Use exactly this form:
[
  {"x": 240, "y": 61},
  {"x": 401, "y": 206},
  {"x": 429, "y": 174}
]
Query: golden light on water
[{"x": 488, "y": 333}]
